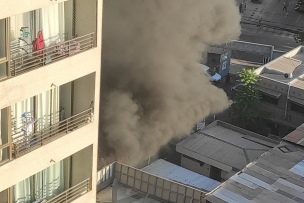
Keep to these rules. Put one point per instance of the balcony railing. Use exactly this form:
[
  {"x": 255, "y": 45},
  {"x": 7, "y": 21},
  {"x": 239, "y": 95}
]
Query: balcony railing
[
  {"x": 40, "y": 58},
  {"x": 72, "y": 193},
  {"x": 22, "y": 144}
]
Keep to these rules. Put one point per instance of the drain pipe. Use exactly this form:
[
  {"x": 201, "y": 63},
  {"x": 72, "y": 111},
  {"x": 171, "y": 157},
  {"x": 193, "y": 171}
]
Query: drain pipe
[
  {"x": 114, "y": 191},
  {"x": 286, "y": 105}
]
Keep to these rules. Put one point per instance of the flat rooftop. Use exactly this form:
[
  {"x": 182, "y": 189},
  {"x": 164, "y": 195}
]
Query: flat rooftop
[
  {"x": 237, "y": 65},
  {"x": 290, "y": 63},
  {"x": 296, "y": 136},
  {"x": 276, "y": 177},
  {"x": 169, "y": 171},
  {"x": 124, "y": 195},
  {"x": 226, "y": 144}
]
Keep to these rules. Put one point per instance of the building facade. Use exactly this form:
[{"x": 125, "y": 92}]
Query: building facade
[
  {"x": 221, "y": 150},
  {"x": 50, "y": 62},
  {"x": 282, "y": 92}
]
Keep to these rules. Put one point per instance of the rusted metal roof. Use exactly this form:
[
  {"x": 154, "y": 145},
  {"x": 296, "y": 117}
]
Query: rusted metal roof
[{"x": 296, "y": 136}]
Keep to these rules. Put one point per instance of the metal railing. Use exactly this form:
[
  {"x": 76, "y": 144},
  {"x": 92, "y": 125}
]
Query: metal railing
[
  {"x": 22, "y": 144},
  {"x": 40, "y": 58},
  {"x": 72, "y": 193}
]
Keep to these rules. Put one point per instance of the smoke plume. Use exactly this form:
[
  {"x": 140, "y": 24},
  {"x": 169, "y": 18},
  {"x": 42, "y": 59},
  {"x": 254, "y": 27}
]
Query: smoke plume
[{"x": 153, "y": 87}]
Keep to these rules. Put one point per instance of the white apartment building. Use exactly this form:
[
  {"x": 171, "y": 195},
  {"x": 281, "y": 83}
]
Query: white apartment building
[{"x": 50, "y": 62}]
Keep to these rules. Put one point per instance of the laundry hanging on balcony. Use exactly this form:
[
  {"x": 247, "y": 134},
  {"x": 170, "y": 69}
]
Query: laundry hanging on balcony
[{"x": 38, "y": 43}]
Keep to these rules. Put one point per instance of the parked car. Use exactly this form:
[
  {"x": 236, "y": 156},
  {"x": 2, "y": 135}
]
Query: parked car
[{"x": 213, "y": 76}]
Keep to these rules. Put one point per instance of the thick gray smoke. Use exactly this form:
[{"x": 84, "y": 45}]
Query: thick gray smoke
[{"x": 154, "y": 88}]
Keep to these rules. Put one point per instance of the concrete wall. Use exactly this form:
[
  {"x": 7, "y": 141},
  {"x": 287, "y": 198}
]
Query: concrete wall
[
  {"x": 66, "y": 99},
  {"x": 16, "y": 89},
  {"x": 83, "y": 93},
  {"x": 81, "y": 168},
  {"x": 195, "y": 166},
  {"x": 277, "y": 112},
  {"x": 9, "y": 8}
]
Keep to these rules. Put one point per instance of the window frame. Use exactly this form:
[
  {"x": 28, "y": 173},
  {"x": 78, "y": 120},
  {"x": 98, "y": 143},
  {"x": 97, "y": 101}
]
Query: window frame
[
  {"x": 294, "y": 107},
  {"x": 9, "y": 139},
  {"x": 6, "y": 59},
  {"x": 269, "y": 100}
]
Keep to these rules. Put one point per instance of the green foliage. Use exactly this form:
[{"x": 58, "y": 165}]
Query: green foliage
[
  {"x": 301, "y": 37},
  {"x": 244, "y": 107}
]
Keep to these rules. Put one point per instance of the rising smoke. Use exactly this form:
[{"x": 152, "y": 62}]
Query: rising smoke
[{"x": 153, "y": 87}]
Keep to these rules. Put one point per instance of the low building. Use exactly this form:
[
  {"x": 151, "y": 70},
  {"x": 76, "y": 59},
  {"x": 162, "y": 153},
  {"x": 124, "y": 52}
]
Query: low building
[
  {"x": 277, "y": 176},
  {"x": 220, "y": 150},
  {"x": 169, "y": 171},
  {"x": 121, "y": 183},
  {"x": 282, "y": 89}
]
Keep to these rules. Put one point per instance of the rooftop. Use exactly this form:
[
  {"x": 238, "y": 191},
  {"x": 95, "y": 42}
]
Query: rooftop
[
  {"x": 290, "y": 63},
  {"x": 225, "y": 146},
  {"x": 120, "y": 183},
  {"x": 276, "y": 177},
  {"x": 237, "y": 65},
  {"x": 167, "y": 170},
  {"x": 296, "y": 136},
  {"x": 124, "y": 195}
]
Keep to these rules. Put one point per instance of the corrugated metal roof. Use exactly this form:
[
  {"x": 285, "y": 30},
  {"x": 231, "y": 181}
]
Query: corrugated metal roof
[
  {"x": 227, "y": 146},
  {"x": 296, "y": 136},
  {"x": 167, "y": 170},
  {"x": 284, "y": 64},
  {"x": 276, "y": 177}
]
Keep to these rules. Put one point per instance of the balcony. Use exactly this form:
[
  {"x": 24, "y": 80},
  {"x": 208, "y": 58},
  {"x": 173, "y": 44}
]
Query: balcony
[
  {"x": 72, "y": 193},
  {"x": 23, "y": 144},
  {"x": 43, "y": 57},
  {"x": 61, "y": 182},
  {"x": 36, "y": 121},
  {"x": 44, "y": 36}
]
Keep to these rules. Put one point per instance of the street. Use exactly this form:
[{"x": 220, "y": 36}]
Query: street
[{"x": 276, "y": 25}]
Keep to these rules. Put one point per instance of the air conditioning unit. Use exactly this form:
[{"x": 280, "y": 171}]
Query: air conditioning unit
[{"x": 288, "y": 75}]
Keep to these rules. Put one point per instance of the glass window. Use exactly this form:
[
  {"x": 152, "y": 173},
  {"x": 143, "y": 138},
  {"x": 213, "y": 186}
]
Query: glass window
[
  {"x": 2, "y": 39},
  {"x": 269, "y": 99},
  {"x": 297, "y": 108},
  {"x": 4, "y": 196},
  {"x": 17, "y": 110},
  {"x": 3, "y": 127},
  {"x": 4, "y": 154},
  {"x": 3, "y": 70}
]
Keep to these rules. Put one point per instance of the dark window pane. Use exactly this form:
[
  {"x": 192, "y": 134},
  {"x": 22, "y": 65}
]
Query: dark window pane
[
  {"x": 4, "y": 154},
  {"x": 2, "y": 39},
  {"x": 4, "y": 196},
  {"x": 297, "y": 108},
  {"x": 269, "y": 99},
  {"x": 3, "y": 127},
  {"x": 3, "y": 70}
]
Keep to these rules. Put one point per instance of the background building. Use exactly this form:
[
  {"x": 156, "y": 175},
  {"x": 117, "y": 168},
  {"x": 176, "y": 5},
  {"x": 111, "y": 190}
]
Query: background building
[
  {"x": 282, "y": 90},
  {"x": 220, "y": 150},
  {"x": 49, "y": 88}
]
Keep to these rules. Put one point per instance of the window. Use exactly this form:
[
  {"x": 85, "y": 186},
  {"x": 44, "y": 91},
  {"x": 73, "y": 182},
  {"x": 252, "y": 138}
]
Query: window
[
  {"x": 3, "y": 48},
  {"x": 296, "y": 107},
  {"x": 269, "y": 99},
  {"x": 2, "y": 39},
  {"x": 55, "y": 179},
  {"x": 4, "y": 196},
  {"x": 4, "y": 142}
]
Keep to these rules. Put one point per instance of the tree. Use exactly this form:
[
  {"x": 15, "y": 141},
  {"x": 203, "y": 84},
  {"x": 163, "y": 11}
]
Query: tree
[
  {"x": 244, "y": 107},
  {"x": 301, "y": 37}
]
